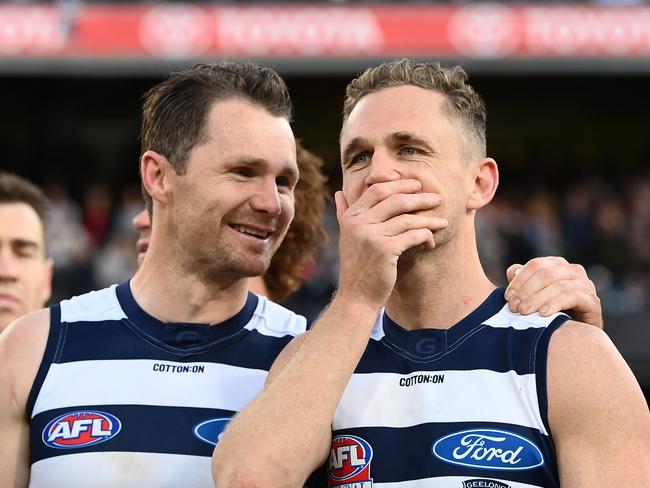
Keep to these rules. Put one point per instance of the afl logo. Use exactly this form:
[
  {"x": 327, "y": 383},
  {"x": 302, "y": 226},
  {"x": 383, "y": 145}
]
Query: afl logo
[
  {"x": 80, "y": 429},
  {"x": 349, "y": 462},
  {"x": 210, "y": 430}
]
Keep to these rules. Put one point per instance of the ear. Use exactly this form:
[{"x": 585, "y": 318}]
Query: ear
[
  {"x": 154, "y": 169},
  {"x": 486, "y": 181}
]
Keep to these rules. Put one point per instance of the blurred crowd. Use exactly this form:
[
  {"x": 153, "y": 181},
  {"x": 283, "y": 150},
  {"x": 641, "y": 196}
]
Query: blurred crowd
[{"x": 599, "y": 224}]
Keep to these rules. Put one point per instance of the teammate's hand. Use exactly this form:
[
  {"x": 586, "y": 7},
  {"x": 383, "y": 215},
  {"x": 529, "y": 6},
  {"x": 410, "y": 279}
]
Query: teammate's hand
[
  {"x": 551, "y": 284},
  {"x": 376, "y": 229}
]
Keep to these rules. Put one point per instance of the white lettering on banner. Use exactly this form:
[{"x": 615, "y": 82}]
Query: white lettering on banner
[
  {"x": 568, "y": 31},
  {"x": 30, "y": 29},
  {"x": 474, "y": 443},
  {"x": 308, "y": 31}
]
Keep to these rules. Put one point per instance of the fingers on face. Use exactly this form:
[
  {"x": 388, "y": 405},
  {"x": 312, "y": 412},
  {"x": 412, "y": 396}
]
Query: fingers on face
[{"x": 406, "y": 222}]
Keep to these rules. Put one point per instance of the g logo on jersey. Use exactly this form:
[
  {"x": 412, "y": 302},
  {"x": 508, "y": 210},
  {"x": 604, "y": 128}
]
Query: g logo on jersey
[
  {"x": 80, "y": 429},
  {"x": 349, "y": 463},
  {"x": 210, "y": 430},
  {"x": 488, "y": 449}
]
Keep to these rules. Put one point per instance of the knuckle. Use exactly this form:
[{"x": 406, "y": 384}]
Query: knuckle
[
  {"x": 378, "y": 192},
  {"x": 579, "y": 269},
  {"x": 565, "y": 285},
  {"x": 546, "y": 274}
]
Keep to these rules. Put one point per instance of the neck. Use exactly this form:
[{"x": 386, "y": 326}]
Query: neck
[
  {"x": 437, "y": 289},
  {"x": 166, "y": 289}
]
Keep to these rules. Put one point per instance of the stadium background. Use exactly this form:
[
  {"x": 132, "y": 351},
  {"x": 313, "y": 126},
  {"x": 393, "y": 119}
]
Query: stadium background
[{"x": 566, "y": 87}]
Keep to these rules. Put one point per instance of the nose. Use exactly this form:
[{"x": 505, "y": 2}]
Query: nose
[
  {"x": 141, "y": 221},
  {"x": 267, "y": 198},
  {"x": 381, "y": 169},
  {"x": 7, "y": 264}
]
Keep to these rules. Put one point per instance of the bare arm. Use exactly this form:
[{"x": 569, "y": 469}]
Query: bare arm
[
  {"x": 552, "y": 284},
  {"x": 21, "y": 349},
  {"x": 599, "y": 419},
  {"x": 286, "y": 431}
]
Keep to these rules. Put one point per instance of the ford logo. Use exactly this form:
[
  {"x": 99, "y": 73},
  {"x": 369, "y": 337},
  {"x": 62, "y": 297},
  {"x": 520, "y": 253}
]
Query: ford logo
[
  {"x": 488, "y": 449},
  {"x": 210, "y": 430}
]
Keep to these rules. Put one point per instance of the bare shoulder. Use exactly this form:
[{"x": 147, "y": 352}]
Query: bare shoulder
[
  {"x": 582, "y": 359},
  {"x": 593, "y": 398},
  {"x": 285, "y": 356},
  {"x": 22, "y": 346}
]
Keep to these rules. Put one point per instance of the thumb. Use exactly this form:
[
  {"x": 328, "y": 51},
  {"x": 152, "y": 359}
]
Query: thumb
[{"x": 512, "y": 271}]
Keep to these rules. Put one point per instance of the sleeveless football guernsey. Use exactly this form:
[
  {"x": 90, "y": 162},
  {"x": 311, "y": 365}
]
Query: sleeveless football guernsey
[
  {"x": 122, "y": 399},
  {"x": 457, "y": 408}
]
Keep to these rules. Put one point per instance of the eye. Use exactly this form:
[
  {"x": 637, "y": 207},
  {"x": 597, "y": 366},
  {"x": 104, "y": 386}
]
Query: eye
[
  {"x": 409, "y": 151},
  {"x": 284, "y": 182},
  {"x": 25, "y": 252},
  {"x": 361, "y": 158},
  {"x": 243, "y": 171}
]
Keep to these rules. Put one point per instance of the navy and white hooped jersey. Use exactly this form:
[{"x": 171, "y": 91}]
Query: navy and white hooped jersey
[
  {"x": 122, "y": 399},
  {"x": 457, "y": 408}
]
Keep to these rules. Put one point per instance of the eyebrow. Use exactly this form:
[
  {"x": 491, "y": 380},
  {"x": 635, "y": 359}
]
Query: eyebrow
[
  {"x": 353, "y": 146},
  {"x": 263, "y": 163},
  {"x": 22, "y": 243},
  {"x": 359, "y": 143},
  {"x": 407, "y": 137}
]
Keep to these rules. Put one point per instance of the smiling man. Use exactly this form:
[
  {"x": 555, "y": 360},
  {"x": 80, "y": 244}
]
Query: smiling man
[
  {"x": 25, "y": 270},
  {"x": 131, "y": 385}
]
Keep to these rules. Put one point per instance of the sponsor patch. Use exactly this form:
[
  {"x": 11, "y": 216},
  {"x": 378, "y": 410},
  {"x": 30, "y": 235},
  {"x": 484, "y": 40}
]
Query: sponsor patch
[
  {"x": 80, "y": 429},
  {"x": 349, "y": 463},
  {"x": 484, "y": 483},
  {"x": 210, "y": 430},
  {"x": 488, "y": 449}
]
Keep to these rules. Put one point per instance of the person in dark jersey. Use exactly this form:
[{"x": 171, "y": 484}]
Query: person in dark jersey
[
  {"x": 132, "y": 385},
  {"x": 419, "y": 373}
]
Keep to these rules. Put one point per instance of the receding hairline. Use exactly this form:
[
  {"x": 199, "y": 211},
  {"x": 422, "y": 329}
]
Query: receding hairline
[{"x": 464, "y": 131}]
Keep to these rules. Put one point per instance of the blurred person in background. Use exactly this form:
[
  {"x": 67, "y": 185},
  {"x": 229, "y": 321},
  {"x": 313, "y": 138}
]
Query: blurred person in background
[
  {"x": 419, "y": 373},
  {"x": 67, "y": 242},
  {"x": 25, "y": 270}
]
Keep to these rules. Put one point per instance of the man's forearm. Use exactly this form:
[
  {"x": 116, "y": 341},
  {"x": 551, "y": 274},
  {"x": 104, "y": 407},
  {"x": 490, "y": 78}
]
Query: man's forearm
[{"x": 285, "y": 432}]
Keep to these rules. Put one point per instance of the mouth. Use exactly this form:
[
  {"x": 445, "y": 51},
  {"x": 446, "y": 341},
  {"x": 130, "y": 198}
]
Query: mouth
[
  {"x": 5, "y": 297},
  {"x": 255, "y": 232}
]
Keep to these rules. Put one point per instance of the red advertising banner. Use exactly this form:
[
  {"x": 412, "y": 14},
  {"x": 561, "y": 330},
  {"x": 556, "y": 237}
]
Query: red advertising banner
[{"x": 189, "y": 31}]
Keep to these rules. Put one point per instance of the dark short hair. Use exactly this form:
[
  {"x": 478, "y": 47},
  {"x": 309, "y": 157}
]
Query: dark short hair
[
  {"x": 15, "y": 189},
  {"x": 463, "y": 103},
  {"x": 175, "y": 112}
]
